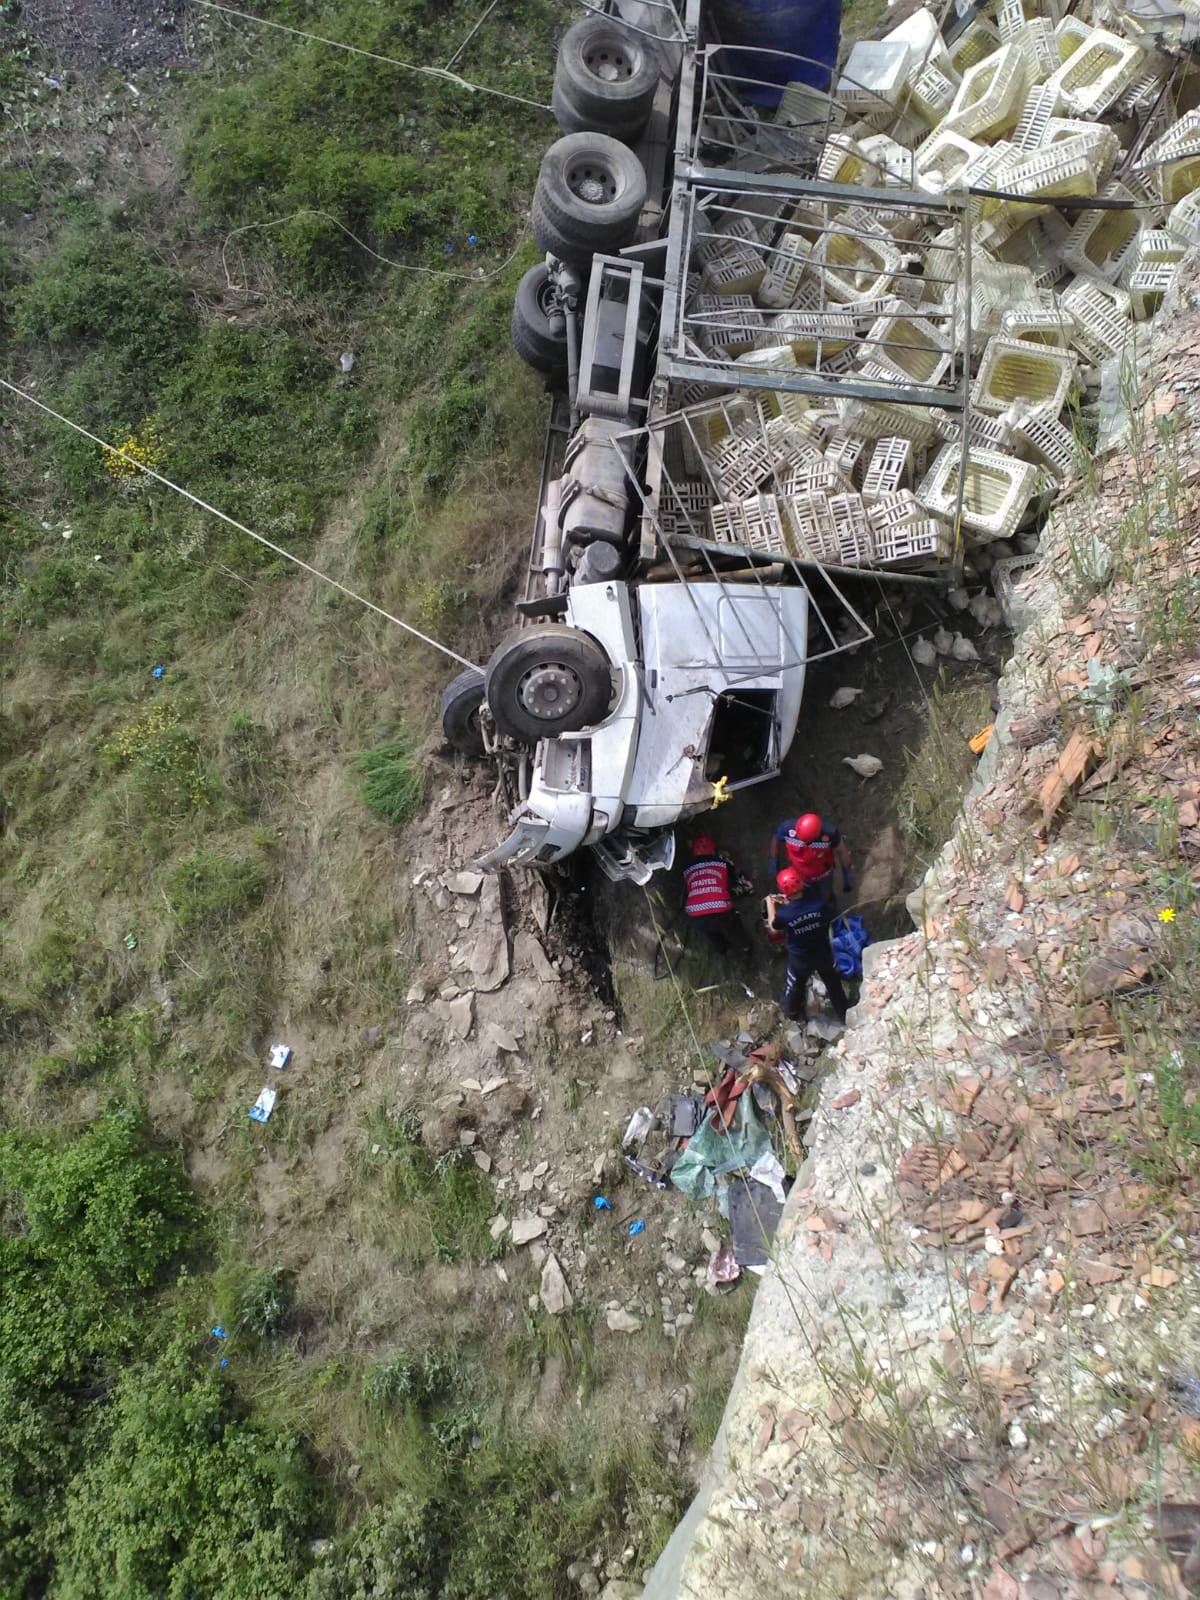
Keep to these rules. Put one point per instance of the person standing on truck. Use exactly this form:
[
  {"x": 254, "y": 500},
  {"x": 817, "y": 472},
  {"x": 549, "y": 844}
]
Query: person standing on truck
[
  {"x": 801, "y": 912},
  {"x": 812, "y": 846},
  {"x": 710, "y": 882}
]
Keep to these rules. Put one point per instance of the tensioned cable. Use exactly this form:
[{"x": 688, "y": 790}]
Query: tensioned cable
[
  {"x": 446, "y": 76},
  {"x": 240, "y": 526}
]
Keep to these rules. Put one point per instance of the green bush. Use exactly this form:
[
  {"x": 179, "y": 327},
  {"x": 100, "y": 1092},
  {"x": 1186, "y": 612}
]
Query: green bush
[
  {"x": 183, "y": 1497},
  {"x": 104, "y": 1206},
  {"x": 102, "y": 290},
  {"x": 411, "y": 1380},
  {"x": 395, "y": 1552},
  {"x": 265, "y": 1303},
  {"x": 393, "y": 782},
  {"x": 211, "y": 890}
]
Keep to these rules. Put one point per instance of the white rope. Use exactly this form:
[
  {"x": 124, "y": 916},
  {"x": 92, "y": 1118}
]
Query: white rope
[
  {"x": 404, "y": 266},
  {"x": 240, "y": 526},
  {"x": 492, "y": 6},
  {"x": 451, "y": 78}
]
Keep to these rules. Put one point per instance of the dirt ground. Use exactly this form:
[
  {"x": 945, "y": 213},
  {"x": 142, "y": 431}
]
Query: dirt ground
[{"x": 129, "y": 35}]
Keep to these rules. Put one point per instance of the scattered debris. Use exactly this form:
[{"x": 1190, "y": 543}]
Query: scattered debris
[{"x": 262, "y": 1108}]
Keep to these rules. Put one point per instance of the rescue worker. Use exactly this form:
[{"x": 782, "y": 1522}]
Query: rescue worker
[
  {"x": 800, "y": 910},
  {"x": 710, "y": 881},
  {"x": 812, "y": 846}
]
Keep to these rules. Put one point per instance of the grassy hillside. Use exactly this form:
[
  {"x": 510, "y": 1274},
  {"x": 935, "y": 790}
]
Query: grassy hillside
[{"x": 186, "y": 845}]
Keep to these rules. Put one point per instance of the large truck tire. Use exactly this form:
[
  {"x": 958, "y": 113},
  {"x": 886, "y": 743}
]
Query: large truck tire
[
  {"x": 532, "y": 325},
  {"x": 590, "y": 193},
  {"x": 571, "y": 121},
  {"x": 461, "y": 699},
  {"x": 605, "y": 78},
  {"x": 547, "y": 680}
]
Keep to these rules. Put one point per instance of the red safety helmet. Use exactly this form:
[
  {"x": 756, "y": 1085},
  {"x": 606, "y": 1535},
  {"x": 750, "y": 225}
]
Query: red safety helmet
[
  {"x": 808, "y": 827},
  {"x": 789, "y": 881},
  {"x": 704, "y": 846}
]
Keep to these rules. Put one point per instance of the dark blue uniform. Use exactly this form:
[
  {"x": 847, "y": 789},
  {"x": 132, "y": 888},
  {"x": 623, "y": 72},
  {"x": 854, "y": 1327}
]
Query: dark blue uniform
[{"x": 805, "y": 922}]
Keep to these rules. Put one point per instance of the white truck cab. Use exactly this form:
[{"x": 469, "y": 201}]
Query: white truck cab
[{"x": 707, "y": 683}]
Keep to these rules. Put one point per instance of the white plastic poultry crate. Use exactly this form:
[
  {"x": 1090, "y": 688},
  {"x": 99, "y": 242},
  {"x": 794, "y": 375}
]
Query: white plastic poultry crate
[
  {"x": 755, "y": 522},
  {"x": 996, "y": 490},
  {"x": 1029, "y": 377},
  {"x": 1048, "y": 442},
  {"x": 781, "y": 281},
  {"x": 1098, "y": 73},
  {"x": 1101, "y": 315},
  {"x": 991, "y": 94},
  {"x": 1041, "y": 103},
  {"x": 1102, "y": 243},
  {"x": 911, "y": 345},
  {"x": 889, "y": 469}
]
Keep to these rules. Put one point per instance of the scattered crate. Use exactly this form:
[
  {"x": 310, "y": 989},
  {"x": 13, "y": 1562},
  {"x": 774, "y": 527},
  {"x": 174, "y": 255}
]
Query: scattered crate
[
  {"x": 1033, "y": 378},
  {"x": 996, "y": 490},
  {"x": 1098, "y": 73},
  {"x": 925, "y": 546},
  {"x": 1101, "y": 315},
  {"x": 781, "y": 281},
  {"x": 991, "y": 94},
  {"x": 889, "y": 469},
  {"x": 755, "y": 522},
  {"x": 1049, "y": 443},
  {"x": 1102, "y": 243}
]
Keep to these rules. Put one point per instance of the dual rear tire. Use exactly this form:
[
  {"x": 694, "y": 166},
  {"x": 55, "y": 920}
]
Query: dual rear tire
[{"x": 540, "y": 682}]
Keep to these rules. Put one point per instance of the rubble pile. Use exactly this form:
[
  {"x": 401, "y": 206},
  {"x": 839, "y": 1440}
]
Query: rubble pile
[{"x": 1046, "y": 187}]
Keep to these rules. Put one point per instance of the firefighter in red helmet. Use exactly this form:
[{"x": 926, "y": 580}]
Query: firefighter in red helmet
[
  {"x": 710, "y": 882},
  {"x": 801, "y": 912},
  {"x": 812, "y": 847}
]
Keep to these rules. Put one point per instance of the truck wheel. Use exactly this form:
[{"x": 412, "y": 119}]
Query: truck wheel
[
  {"x": 547, "y": 680},
  {"x": 605, "y": 79},
  {"x": 461, "y": 700},
  {"x": 553, "y": 241},
  {"x": 591, "y": 191},
  {"x": 532, "y": 338}
]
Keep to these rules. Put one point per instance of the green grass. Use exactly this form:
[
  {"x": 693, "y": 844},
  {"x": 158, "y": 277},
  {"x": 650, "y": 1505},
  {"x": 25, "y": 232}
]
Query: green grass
[
  {"x": 938, "y": 773},
  {"x": 201, "y": 858},
  {"x": 393, "y": 779}
]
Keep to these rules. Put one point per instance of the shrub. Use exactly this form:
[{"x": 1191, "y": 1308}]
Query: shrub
[
  {"x": 393, "y": 782},
  {"x": 265, "y": 1303},
  {"x": 167, "y": 755},
  {"x": 411, "y": 1380},
  {"x": 183, "y": 1496},
  {"x": 394, "y": 1553},
  {"x": 102, "y": 290},
  {"x": 211, "y": 890},
  {"x": 104, "y": 1206}
]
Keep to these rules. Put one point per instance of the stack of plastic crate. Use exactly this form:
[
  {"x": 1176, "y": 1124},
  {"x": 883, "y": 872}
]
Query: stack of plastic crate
[
  {"x": 755, "y": 522},
  {"x": 904, "y": 535}
]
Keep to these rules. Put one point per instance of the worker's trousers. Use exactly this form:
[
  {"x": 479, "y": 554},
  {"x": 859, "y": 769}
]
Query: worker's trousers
[{"x": 801, "y": 964}]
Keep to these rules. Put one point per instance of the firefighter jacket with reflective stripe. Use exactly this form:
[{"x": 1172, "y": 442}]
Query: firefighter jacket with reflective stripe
[{"x": 707, "y": 888}]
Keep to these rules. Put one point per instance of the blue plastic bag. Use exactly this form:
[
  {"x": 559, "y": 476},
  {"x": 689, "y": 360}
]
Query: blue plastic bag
[{"x": 849, "y": 937}]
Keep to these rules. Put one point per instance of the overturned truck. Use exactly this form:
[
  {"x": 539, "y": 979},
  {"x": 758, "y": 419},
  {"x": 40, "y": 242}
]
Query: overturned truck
[{"x": 756, "y": 343}]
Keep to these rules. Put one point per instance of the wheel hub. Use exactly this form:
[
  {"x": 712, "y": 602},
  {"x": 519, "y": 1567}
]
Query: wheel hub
[
  {"x": 550, "y": 691},
  {"x": 591, "y": 184},
  {"x": 609, "y": 65}
]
